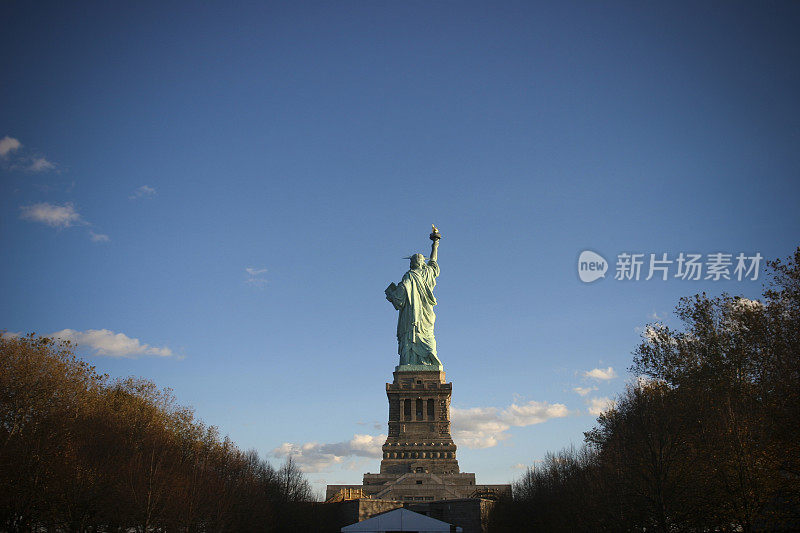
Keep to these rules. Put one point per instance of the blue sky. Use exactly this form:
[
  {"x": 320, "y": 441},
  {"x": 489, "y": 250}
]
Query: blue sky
[{"x": 150, "y": 154}]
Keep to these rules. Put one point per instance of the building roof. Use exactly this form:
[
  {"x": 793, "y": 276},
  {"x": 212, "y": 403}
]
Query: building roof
[{"x": 399, "y": 520}]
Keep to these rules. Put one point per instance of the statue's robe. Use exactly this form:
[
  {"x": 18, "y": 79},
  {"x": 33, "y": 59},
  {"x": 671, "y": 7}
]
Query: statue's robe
[{"x": 413, "y": 297}]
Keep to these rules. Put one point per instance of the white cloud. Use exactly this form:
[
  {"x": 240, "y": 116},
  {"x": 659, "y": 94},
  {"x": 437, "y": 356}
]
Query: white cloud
[
  {"x": 601, "y": 374},
  {"x": 583, "y": 391},
  {"x": 533, "y": 413},
  {"x": 255, "y": 276},
  {"x": 98, "y": 237},
  {"x": 478, "y": 427},
  {"x": 485, "y": 427},
  {"x": 144, "y": 191},
  {"x": 8, "y": 145},
  {"x": 40, "y": 164},
  {"x": 16, "y": 159},
  {"x": 108, "y": 343},
  {"x": 319, "y": 457},
  {"x": 519, "y": 466},
  {"x": 59, "y": 216},
  {"x": 54, "y": 215},
  {"x": 596, "y": 406},
  {"x": 658, "y": 333},
  {"x": 746, "y": 304}
]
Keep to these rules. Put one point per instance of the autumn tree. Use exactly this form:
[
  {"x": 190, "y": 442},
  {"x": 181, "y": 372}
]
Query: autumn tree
[
  {"x": 706, "y": 438},
  {"x": 734, "y": 368},
  {"x": 82, "y": 453}
]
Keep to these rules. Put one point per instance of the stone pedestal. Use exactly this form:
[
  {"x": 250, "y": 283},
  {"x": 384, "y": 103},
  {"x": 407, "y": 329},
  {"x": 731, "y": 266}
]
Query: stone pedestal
[
  {"x": 419, "y": 456},
  {"x": 419, "y": 438}
]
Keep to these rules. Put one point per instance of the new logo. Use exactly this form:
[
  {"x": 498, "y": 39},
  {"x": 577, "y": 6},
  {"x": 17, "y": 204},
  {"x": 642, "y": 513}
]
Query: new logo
[{"x": 591, "y": 266}]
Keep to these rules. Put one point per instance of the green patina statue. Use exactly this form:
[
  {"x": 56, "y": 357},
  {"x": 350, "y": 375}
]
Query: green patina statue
[{"x": 414, "y": 298}]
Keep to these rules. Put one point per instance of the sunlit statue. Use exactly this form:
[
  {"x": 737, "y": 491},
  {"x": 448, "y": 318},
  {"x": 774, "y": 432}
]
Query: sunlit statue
[{"x": 413, "y": 297}]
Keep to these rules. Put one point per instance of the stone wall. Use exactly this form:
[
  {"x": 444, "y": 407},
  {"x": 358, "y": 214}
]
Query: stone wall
[
  {"x": 472, "y": 514},
  {"x": 352, "y": 511}
]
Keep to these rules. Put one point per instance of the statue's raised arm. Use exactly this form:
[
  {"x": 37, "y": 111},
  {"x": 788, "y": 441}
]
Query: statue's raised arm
[
  {"x": 413, "y": 298},
  {"x": 435, "y": 236}
]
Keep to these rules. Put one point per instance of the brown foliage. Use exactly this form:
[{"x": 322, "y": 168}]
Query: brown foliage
[
  {"x": 80, "y": 452},
  {"x": 709, "y": 440}
]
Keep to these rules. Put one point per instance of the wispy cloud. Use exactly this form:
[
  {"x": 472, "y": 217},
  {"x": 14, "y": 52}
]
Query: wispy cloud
[
  {"x": 583, "y": 391},
  {"x": 601, "y": 374},
  {"x": 40, "y": 164},
  {"x": 484, "y": 427},
  {"x": 98, "y": 237},
  {"x": 374, "y": 424},
  {"x": 54, "y": 215},
  {"x": 8, "y": 145},
  {"x": 319, "y": 457},
  {"x": 255, "y": 276},
  {"x": 15, "y": 158},
  {"x": 145, "y": 191},
  {"x": 59, "y": 216},
  {"x": 597, "y": 406},
  {"x": 107, "y": 343}
]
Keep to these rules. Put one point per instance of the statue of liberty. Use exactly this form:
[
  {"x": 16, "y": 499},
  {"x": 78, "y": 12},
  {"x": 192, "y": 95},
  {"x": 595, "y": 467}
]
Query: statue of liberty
[{"x": 413, "y": 297}]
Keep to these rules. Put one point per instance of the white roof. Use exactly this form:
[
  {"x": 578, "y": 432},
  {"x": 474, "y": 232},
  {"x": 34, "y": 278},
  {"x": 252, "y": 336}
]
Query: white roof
[{"x": 399, "y": 520}]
